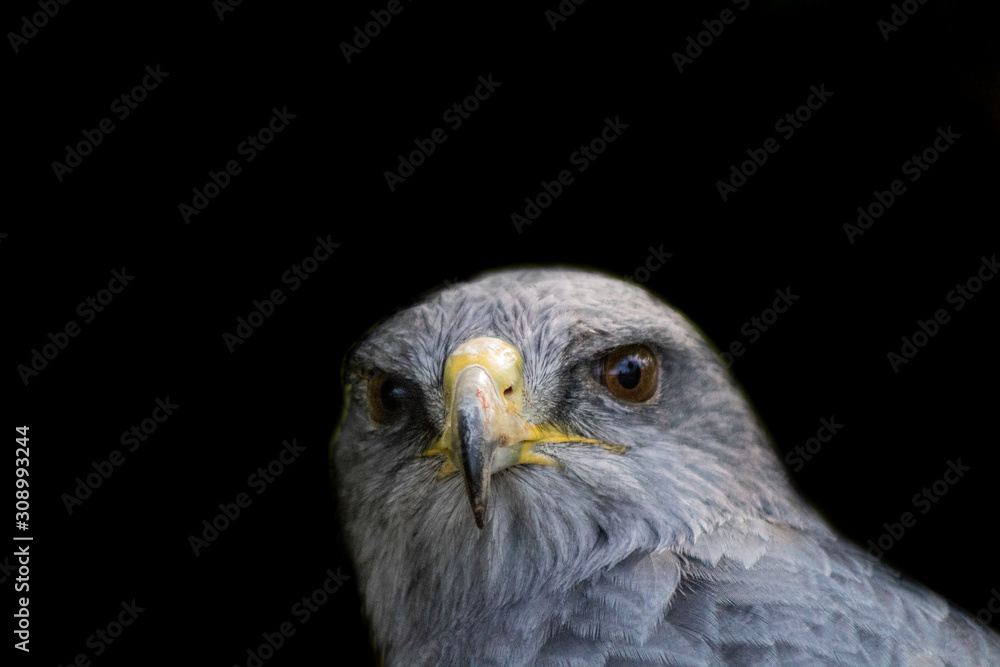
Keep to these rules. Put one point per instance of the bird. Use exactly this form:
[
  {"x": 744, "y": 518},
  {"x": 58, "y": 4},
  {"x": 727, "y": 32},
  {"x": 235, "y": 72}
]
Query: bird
[{"x": 552, "y": 466}]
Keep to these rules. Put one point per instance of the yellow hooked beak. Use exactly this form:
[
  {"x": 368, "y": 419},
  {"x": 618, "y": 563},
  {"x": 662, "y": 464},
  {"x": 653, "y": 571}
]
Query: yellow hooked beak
[{"x": 484, "y": 431}]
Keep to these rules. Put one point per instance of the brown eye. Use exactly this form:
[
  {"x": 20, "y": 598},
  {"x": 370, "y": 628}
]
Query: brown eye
[
  {"x": 629, "y": 373},
  {"x": 385, "y": 397}
]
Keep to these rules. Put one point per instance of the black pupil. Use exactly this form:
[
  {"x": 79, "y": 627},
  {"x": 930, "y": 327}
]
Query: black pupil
[
  {"x": 628, "y": 372},
  {"x": 392, "y": 395}
]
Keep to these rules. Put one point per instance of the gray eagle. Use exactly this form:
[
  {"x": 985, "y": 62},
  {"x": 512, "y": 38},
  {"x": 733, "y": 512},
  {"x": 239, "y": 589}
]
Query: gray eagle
[{"x": 552, "y": 467}]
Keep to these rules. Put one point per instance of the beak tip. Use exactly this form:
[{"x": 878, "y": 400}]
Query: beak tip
[{"x": 479, "y": 513}]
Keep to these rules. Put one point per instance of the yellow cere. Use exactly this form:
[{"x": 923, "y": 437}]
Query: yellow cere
[{"x": 500, "y": 360}]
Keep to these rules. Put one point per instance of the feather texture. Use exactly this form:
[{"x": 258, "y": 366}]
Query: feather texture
[{"x": 690, "y": 548}]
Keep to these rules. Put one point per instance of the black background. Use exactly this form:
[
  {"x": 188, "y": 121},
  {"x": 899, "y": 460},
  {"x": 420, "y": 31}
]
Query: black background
[{"x": 324, "y": 176}]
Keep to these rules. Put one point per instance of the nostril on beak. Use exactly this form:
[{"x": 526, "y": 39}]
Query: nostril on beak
[{"x": 508, "y": 391}]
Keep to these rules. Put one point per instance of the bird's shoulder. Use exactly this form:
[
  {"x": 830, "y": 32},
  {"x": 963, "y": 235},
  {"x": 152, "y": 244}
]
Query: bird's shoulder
[{"x": 754, "y": 591}]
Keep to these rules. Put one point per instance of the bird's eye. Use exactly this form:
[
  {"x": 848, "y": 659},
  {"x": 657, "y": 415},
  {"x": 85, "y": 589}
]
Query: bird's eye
[
  {"x": 629, "y": 373},
  {"x": 385, "y": 397}
]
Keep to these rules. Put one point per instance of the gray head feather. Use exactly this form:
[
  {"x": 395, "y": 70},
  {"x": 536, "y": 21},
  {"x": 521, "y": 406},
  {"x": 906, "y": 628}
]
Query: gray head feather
[{"x": 647, "y": 555}]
